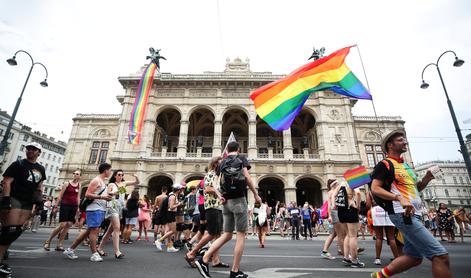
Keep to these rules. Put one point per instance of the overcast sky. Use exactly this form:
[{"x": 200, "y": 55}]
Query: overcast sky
[{"x": 86, "y": 45}]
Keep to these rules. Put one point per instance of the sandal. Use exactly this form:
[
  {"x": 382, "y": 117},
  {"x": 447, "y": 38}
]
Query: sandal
[
  {"x": 46, "y": 246},
  {"x": 190, "y": 261},
  {"x": 102, "y": 253},
  {"x": 221, "y": 265},
  {"x": 60, "y": 248},
  {"x": 120, "y": 256}
]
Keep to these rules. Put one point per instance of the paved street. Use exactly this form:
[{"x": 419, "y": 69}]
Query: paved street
[{"x": 280, "y": 258}]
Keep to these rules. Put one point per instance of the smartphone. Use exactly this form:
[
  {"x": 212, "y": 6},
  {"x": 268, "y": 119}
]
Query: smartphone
[{"x": 407, "y": 219}]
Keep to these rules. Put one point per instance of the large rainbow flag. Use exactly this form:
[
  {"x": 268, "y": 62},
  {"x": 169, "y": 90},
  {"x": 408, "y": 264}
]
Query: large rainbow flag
[
  {"x": 140, "y": 104},
  {"x": 279, "y": 102}
]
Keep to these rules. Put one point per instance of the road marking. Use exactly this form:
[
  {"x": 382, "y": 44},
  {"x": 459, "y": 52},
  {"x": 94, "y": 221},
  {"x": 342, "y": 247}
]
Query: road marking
[
  {"x": 271, "y": 256},
  {"x": 295, "y": 272}
]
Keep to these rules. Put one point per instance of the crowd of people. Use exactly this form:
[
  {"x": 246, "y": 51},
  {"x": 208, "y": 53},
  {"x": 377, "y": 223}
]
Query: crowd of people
[{"x": 203, "y": 215}]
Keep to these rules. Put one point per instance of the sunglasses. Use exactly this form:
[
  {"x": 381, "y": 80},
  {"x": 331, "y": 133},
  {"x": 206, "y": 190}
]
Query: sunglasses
[
  {"x": 120, "y": 175},
  {"x": 77, "y": 174},
  {"x": 31, "y": 149}
]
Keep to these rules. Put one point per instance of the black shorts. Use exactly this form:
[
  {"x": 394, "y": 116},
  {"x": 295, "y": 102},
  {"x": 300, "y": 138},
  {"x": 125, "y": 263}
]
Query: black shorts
[
  {"x": 180, "y": 227},
  {"x": 202, "y": 214},
  {"x": 67, "y": 213},
  {"x": 157, "y": 219},
  {"x": 348, "y": 215},
  {"x": 265, "y": 224},
  {"x": 21, "y": 204},
  {"x": 171, "y": 216},
  {"x": 214, "y": 221}
]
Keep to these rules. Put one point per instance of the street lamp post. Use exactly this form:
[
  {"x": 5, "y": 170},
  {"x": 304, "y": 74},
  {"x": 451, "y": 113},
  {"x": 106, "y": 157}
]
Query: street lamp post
[
  {"x": 12, "y": 62},
  {"x": 457, "y": 63}
]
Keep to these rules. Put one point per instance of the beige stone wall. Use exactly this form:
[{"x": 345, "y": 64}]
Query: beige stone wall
[
  {"x": 339, "y": 142},
  {"x": 85, "y": 130}
]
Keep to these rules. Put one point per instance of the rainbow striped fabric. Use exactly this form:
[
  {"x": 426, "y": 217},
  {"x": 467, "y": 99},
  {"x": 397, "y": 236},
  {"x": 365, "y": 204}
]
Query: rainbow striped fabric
[
  {"x": 140, "y": 104},
  {"x": 357, "y": 177},
  {"x": 279, "y": 102}
]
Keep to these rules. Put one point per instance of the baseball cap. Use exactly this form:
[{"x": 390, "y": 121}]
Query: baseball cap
[
  {"x": 35, "y": 145},
  {"x": 177, "y": 186},
  {"x": 387, "y": 138}
]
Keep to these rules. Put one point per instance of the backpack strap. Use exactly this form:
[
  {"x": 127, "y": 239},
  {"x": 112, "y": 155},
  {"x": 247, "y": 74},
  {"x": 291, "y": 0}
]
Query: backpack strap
[{"x": 391, "y": 173}]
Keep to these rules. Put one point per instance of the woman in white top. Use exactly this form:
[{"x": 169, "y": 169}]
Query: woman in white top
[{"x": 117, "y": 189}]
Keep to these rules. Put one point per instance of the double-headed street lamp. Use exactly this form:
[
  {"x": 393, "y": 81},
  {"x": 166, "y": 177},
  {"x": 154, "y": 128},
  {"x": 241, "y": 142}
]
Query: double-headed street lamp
[
  {"x": 12, "y": 62},
  {"x": 457, "y": 63}
]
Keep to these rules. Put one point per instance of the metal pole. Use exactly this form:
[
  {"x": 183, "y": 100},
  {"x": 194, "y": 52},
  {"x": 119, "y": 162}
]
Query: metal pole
[
  {"x": 4, "y": 142},
  {"x": 372, "y": 101},
  {"x": 464, "y": 149}
]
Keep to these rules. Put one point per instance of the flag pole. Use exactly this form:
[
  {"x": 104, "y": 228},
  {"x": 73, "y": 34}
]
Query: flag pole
[{"x": 368, "y": 85}]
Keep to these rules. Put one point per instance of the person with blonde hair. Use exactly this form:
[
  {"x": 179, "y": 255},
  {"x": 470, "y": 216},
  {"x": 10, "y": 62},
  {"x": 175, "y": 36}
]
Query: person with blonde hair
[
  {"x": 68, "y": 201},
  {"x": 144, "y": 217},
  {"x": 348, "y": 202}
]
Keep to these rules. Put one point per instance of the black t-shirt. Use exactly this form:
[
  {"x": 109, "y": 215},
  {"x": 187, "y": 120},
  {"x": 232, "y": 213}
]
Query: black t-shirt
[
  {"x": 380, "y": 172},
  {"x": 27, "y": 177},
  {"x": 242, "y": 185}
]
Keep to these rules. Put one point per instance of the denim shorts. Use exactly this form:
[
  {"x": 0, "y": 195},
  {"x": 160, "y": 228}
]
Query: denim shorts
[
  {"x": 235, "y": 215},
  {"x": 418, "y": 241},
  {"x": 94, "y": 218},
  {"x": 131, "y": 221}
]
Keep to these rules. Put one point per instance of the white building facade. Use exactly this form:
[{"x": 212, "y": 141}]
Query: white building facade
[
  {"x": 52, "y": 155},
  {"x": 453, "y": 189}
]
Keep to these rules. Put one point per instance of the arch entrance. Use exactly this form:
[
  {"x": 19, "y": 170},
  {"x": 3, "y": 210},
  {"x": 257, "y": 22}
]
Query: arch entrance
[
  {"x": 155, "y": 186},
  {"x": 309, "y": 190},
  {"x": 272, "y": 189}
]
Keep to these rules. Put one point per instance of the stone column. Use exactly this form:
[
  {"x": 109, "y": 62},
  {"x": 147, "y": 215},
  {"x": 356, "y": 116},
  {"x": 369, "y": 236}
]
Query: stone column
[
  {"x": 270, "y": 153},
  {"x": 290, "y": 195},
  {"x": 252, "y": 148},
  {"x": 217, "y": 148},
  {"x": 287, "y": 146},
  {"x": 306, "y": 153},
  {"x": 182, "y": 139}
]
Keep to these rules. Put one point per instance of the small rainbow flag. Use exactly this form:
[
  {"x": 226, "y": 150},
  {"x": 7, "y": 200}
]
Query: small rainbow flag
[
  {"x": 279, "y": 102},
  {"x": 357, "y": 177},
  {"x": 140, "y": 104}
]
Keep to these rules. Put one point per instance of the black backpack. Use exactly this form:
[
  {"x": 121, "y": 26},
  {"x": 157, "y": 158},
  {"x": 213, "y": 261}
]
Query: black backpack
[
  {"x": 232, "y": 180},
  {"x": 386, "y": 204}
]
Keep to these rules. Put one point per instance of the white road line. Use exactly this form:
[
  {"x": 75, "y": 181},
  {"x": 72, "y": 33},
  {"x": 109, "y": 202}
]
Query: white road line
[{"x": 271, "y": 256}]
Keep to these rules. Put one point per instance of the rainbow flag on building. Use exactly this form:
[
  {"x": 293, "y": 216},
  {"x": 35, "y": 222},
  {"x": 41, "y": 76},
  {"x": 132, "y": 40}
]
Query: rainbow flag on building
[
  {"x": 357, "y": 177},
  {"x": 279, "y": 102},
  {"x": 140, "y": 104}
]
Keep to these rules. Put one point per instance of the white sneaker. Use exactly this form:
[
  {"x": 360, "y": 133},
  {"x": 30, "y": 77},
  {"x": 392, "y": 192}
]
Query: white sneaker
[
  {"x": 96, "y": 257},
  {"x": 377, "y": 262},
  {"x": 172, "y": 250},
  {"x": 70, "y": 254},
  {"x": 158, "y": 244}
]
